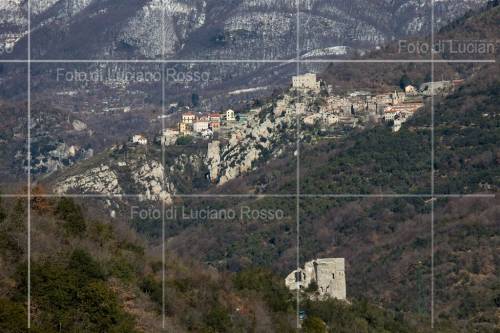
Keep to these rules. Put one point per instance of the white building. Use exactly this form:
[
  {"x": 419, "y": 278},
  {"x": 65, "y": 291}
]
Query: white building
[
  {"x": 327, "y": 273},
  {"x": 411, "y": 90},
  {"x": 139, "y": 139},
  {"x": 306, "y": 81},
  {"x": 230, "y": 115},
  {"x": 199, "y": 126}
]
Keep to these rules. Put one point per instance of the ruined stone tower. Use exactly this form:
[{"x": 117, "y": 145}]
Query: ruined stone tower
[{"x": 328, "y": 273}]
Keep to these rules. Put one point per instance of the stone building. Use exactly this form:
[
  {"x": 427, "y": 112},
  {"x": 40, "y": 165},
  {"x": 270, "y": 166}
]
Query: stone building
[
  {"x": 306, "y": 81},
  {"x": 139, "y": 139},
  {"x": 436, "y": 88},
  {"x": 327, "y": 273}
]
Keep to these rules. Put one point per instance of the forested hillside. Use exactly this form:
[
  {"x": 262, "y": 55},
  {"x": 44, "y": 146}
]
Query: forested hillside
[
  {"x": 93, "y": 276},
  {"x": 386, "y": 242}
]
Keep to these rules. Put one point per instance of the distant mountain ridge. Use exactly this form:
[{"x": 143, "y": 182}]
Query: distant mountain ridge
[{"x": 195, "y": 29}]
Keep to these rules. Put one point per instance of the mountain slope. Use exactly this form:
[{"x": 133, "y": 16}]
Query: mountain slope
[
  {"x": 95, "y": 276},
  {"x": 387, "y": 242},
  {"x": 215, "y": 29}
]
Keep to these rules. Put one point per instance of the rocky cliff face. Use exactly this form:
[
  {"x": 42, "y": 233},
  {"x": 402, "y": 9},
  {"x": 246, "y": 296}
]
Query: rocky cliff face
[
  {"x": 269, "y": 130},
  {"x": 213, "y": 159},
  {"x": 151, "y": 178},
  {"x": 129, "y": 171},
  {"x": 100, "y": 180}
]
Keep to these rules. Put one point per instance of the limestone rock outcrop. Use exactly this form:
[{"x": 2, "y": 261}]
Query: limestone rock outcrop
[
  {"x": 269, "y": 129},
  {"x": 79, "y": 125},
  {"x": 213, "y": 160},
  {"x": 98, "y": 180},
  {"x": 150, "y": 177}
]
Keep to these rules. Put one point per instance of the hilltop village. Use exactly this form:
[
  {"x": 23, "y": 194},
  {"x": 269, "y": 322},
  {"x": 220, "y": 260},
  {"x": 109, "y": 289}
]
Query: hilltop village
[
  {"x": 237, "y": 141},
  {"x": 318, "y": 107},
  {"x": 229, "y": 144},
  {"x": 321, "y": 110}
]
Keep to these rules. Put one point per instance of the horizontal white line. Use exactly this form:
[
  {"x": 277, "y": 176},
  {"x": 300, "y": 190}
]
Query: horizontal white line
[
  {"x": 294, "y": 195},
  {"x": 404, "y": 195},
  {"x": 223, "y": 61}
]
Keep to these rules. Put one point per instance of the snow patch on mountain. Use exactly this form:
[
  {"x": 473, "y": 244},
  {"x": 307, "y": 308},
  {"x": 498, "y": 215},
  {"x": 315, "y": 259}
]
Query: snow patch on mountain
[
  {"x": 327, "y": 51},
  {"x": 159, "y": 28}
]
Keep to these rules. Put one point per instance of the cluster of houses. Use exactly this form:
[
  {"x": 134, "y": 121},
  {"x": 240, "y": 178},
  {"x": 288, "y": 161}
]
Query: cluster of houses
[
  {"x": 358, "y": 107},
  {"x": 202, "y": 125},
  {"x": 412, "y": 99},
  {"x": 393, "y": 108},
  {"x": 400, "y": 113},
  {"x": 352, "y": 110}
]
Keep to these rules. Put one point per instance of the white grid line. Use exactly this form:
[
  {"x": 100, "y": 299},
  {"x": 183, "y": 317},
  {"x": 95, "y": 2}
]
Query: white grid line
[
  {"x": 297, "y": 208},
  {"x": 28, "y": 305},
  {"x": 163, "y": 159},
  {"x": 245, "y": 61},
  {"x": 433, "y": 21},
  {"x": 249, "y": 195}
]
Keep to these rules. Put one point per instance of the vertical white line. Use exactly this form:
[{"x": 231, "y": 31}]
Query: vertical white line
[
  {"x": 297, "y": 208},
  {"x": 29, "y": 167},
  {"x": 298, "y": 37},
  {"x": 432, "y": 162},
  {"x": 163, "y": 258}
]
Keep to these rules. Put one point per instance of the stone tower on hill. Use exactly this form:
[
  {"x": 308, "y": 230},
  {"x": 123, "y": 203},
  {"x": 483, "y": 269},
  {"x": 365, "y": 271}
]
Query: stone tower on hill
[{"x": 327, "y": 273}]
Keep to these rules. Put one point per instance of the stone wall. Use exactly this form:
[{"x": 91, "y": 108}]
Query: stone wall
[{"x": 328, "y": 273}]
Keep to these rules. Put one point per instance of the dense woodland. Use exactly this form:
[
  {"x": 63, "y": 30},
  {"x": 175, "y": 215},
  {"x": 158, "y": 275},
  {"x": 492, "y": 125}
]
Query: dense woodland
[{"x": 94, "y": 276}]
